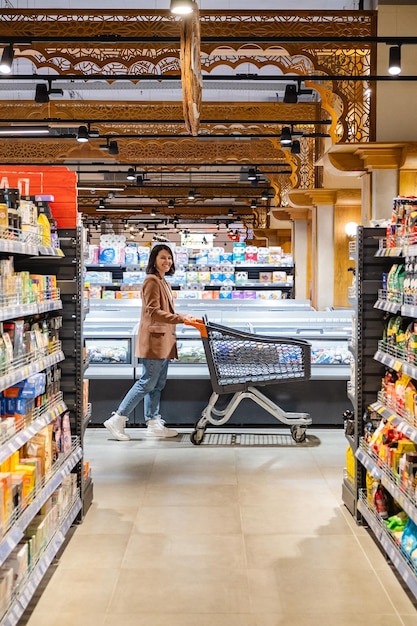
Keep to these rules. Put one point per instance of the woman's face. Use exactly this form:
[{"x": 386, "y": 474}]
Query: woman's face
[{"x": 163, "y": 262}]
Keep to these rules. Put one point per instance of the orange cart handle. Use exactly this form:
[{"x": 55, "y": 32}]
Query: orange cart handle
[{"x": 198, "y": 324}]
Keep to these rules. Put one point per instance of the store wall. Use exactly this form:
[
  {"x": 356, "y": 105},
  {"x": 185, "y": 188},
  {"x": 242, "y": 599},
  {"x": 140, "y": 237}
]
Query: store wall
[{"x": 395, "y": 104}]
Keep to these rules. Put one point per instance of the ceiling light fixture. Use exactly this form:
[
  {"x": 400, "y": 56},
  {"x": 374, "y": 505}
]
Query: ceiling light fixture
[
  {"x": 286, "y": 138},
  {"x": 191, "y": 194},
  {"x": 7, "y": 59},
  {"x": 139, "y": 180},
  {"x": 171, "y": 204},
  {"x": 41, "y": 93},
  {"x": 24, "y": 130},
  {"x": 101, "y": 204},
  {"x": 394, "y": 64},
  {"x": 113, "y": 147},
  {"x": 253, "y": 204},
  {"x": 182, "y": 7},
  {"x": 131, "y": 173},
  {"x": 82, "y": 134},
  {"x": 265, "y": 195},
  {"x": 153, "y": 212},
  {"x": 295, "y": 147},
  {"x": 293, "y": 91},
  {"x": 290, "y": 96},
  {"x": 252, "y": 173}
]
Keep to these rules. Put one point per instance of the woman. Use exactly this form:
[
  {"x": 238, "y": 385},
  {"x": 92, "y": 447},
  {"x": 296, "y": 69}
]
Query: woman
[{"x": 156, "y": 345}]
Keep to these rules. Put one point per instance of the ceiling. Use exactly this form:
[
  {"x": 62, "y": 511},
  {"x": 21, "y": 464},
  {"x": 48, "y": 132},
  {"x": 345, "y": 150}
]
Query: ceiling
[{"x": 131, "y": 87}]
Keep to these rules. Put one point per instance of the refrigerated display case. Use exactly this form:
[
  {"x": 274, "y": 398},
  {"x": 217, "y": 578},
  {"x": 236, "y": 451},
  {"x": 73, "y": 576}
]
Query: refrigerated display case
[{"x": 111, "y": 326}]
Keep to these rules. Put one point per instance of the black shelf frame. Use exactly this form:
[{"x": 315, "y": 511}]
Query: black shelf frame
[{"x": 368, "y": 331}]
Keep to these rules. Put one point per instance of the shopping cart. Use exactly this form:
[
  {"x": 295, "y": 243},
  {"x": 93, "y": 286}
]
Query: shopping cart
[{"x": 239, "y": 362}]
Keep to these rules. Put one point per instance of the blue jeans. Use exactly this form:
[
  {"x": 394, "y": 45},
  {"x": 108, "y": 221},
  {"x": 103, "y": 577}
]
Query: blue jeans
[{"x": 147, "y": 388}]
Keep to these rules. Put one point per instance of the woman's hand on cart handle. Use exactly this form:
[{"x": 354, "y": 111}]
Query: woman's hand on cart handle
[
  {"x": 197, "y": 323},
  {"x": 190, "y": 320}
]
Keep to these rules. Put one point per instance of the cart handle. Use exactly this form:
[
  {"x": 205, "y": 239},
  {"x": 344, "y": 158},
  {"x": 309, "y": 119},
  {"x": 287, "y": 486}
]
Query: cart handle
[{"x": 198, "y": 324}]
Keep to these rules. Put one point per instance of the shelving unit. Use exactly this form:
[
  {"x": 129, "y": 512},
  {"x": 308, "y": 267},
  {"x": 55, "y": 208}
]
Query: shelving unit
[
  {"x": 367, "y": 331},
  {"x": 252, "y": 283},
  {"x": 33, "y": 258},
  {"x": 373, "y": 356}
]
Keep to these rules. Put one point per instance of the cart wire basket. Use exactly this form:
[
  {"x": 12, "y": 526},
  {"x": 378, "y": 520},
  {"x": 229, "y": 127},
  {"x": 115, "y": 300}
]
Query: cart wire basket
[{"x": 239, "y": 363}]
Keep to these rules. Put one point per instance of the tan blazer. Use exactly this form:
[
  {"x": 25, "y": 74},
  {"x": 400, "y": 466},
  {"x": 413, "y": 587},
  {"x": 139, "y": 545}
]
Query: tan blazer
[{"x": 156, "y": 338}]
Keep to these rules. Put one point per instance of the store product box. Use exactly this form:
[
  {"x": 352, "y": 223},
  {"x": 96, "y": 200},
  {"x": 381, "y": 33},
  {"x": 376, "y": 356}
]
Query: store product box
[
  {"x": 265, "y": 277},
  {"x": 18, "y": 561},
  {"x": 263, "y": 256},
  {"x": 241, "y": 278},
  {"x": 239, "y": 252},
  {"x": 279, "y": 277},
  {"x": 225, "y": 294}
]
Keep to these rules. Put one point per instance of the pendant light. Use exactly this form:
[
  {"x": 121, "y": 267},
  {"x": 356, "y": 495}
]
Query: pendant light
[{"x": 182, "y": 7}]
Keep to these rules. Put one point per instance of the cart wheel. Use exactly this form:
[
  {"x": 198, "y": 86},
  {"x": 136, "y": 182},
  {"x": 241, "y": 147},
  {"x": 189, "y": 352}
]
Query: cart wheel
[
  {"x": 298, "y": 433},
  {"x": 196, "y": 437}
]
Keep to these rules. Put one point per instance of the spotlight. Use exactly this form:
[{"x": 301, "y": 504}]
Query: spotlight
[
  {"x": 230, "y": 213},
  {"x": 7, "y": 59},
  {"x": 139, "y": 180},
  {"x": 130, "y": 173},
  {"x": 265, "y": 195},
  {"x": 286, "y": 139},
  {"x": 182, "y": 7},
  {"x": 252, "y": 173},
  {"x": 82, "y": 135},
  {"x": 101, "y": 204},
  {"x": 253, "y": 204},
  {"x": 153, "y": 213},
  {"x": 171, "y": 204},
  {"x": 113, "y": 147},
  {"x": 41, "y": 93},
  {"x": 394, "y": 65},
  {"x": 291, "y": 96},
  {"x": 295, "y": 147},
  {"x": 191, "y": 194}
]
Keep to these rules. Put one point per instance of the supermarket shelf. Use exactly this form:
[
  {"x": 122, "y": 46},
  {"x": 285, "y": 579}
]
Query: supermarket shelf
[
  {"x": 380, "y": 470},
  {"x": 23, "y": 310},
  {"x": 20, "y": 373},
  {"x": 59, "y": 471},
  {"x": 397, "y": 558},
  {"x": 400, "y": 423},
  {"x": 27, "y": 591},
  {"x": 385, "y": 305},
  {"x": 22, "y": 436}
]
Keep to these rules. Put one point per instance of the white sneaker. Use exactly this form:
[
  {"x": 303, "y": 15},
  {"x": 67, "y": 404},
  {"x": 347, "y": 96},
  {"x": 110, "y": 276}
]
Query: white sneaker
[
  {"x": 116, "y": 427},
  {"x": 156, "y": 428}
]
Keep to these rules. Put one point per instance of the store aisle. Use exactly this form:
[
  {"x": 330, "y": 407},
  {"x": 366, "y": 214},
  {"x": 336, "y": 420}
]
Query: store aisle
[{"x": 180, "y": 535}]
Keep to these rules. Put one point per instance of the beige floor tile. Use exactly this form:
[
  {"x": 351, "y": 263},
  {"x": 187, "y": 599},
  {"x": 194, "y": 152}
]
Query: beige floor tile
[
  {"x": 293, "y": 517},
  {"x": 314, "y": 493},
  {"x": 286, "y": 551},
  {"x": 116, "y": 494},
  {"x": 194, "y": 466},
  {"x": 65, "y": 618},
  {"x": 279, "y": 591},
  {"x": 94, "y": 550},
  {"x": 104, "y": 519},
  {"x": 83, "y": 591},
  {"x": 397, "y": 591},
  {"x": 190, "y": 495},
  {"x": 195, "y": 551},
  {"x": 181, "y": 619},
  {"x": 177, "y": 590},
  {"x": 409, "y": 620},
  {"x": 329, "y": 619},
  {"x": 188, "y": 519}
]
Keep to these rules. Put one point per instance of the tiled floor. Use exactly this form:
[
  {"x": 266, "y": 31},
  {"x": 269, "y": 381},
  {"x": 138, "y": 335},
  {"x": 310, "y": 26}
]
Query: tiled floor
[{"x": 183, "y": 535}]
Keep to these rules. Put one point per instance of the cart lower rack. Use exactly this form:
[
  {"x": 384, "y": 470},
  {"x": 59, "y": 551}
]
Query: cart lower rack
[{"x": 239, "y": 362}]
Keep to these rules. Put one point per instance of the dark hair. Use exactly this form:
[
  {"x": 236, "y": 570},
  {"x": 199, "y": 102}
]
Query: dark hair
[{"x": 151, "y": 268}]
